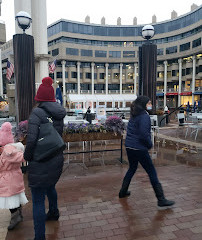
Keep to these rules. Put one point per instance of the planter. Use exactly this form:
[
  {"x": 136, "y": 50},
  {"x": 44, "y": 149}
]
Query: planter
[{"x": 93, "y": 136}]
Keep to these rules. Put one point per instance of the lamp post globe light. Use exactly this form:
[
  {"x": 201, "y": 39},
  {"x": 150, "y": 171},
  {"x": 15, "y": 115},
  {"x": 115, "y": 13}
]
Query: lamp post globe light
[
  {"x": 147, "y": 66},
  {"x": 148, "y": 32},
  {"x": 23, "y": 49},
  {"x": 23, "y": 19}
]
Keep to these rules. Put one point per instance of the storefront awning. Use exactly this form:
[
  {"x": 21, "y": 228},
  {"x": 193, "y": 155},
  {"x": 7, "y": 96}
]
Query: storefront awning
[{"x": 101, "y": 98}]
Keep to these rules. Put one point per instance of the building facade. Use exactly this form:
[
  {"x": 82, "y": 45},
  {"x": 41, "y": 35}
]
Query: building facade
[
  {"x": 103, "y": 59},
  {"x": 98, "y": 63}
]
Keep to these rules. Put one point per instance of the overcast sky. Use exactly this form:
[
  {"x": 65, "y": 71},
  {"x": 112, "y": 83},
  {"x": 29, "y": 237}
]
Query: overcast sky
[{"x": 77, "y": 10}]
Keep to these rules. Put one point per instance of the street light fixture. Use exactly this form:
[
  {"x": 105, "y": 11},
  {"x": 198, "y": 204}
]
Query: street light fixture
[
  {"x": 23, "y": 48},
  {"x": 24, "y": 20},
  {"x": 148, "y": 32},
  {"x": 147, "y": 66}
]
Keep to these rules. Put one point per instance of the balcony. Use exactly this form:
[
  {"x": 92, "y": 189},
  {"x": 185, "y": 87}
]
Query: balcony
[
  {"x": 172, "y": 90},
  {"x": 114, "y": 91},
  {"x": 72, "y": 91},
  {"x": 186, "y": 89}
]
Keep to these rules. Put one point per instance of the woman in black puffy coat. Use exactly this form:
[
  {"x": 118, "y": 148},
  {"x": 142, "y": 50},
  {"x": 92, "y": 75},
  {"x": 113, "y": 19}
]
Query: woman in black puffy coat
[{"x": 43, "y": 175}]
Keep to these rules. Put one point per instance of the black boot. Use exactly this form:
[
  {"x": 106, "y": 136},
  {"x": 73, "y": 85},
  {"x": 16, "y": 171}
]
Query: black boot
[
  {"x": 52, "y": 216},
  {"x": 124, "y": 189},
  {"x": 162, "y": 201},
  {"x": 16, "y": 218}
]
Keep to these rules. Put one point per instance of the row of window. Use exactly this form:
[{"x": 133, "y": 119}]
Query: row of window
[
  {"x": 86, "y": 86},
  {"x": 124, "y": 43},
  {"x": 88, "y": 75},
  {"x": 174, "y": 73},
  {"x": 89, "y": 29},
  {"x": 126, "y": 54}
]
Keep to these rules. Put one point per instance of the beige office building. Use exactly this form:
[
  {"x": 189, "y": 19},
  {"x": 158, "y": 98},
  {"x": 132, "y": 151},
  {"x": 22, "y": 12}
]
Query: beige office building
[{"x": 101, "y": 61}]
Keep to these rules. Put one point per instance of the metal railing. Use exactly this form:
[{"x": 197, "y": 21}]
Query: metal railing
[{"x": 167, "y": 115}]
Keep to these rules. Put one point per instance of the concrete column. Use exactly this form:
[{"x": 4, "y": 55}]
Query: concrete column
[
  {"x": 135, "y": 79},
  {"x": 1, "y": 77},
  {"x": 63, "y": 83},
  {"x": 39, "y": 30},
  {"x": 193, "y": 78},
  {"x": 92, "y": 76},
  {"x": 26, "y": 6},
  {"x": 78, "y": 78},
  {"x": 180, "y": 81},
  {"x": 121, "y": 76},
  {"x": 107, "y": 80},
  {"x": 55, "y": 76},
  {"x": 165, "y": 82}
]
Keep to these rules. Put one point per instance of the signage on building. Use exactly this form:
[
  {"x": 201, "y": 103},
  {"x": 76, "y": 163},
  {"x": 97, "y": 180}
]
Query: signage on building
[
  {"x": 171, "y": 94},
  {"x": 186, "y": 93}
]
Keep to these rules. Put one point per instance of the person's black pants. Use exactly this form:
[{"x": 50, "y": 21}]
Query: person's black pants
[{"x": 142, "y": 157}]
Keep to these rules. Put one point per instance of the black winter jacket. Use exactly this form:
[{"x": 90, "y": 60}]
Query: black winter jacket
[{"x": 47, "y": 173}]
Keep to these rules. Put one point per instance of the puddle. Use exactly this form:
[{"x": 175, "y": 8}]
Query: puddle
[{"x": 166, "y": 152}]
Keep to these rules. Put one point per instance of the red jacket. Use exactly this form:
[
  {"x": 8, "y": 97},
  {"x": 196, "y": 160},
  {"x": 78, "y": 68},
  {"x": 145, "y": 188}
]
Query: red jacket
[{"x": 11, "y": 177}]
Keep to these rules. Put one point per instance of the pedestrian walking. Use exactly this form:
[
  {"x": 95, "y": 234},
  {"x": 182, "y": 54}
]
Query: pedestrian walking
[
  {"x": 138, "y": 142},
  {"x": 43, "y": 175},
  {"x": 12, "y": 190}
]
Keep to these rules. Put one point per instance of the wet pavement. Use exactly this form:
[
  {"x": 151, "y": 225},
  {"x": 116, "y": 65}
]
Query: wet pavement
[{"x": 89, "y": 204}]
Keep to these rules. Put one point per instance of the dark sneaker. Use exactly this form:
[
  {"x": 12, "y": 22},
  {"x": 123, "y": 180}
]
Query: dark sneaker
[
  {"x": 163, "y": 204},
  {"x": 52, "y": 216},
  {"x": 123, "y": 195}
]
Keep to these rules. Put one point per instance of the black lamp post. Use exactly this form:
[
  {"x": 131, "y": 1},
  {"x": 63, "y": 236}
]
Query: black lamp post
[
  {"x": 23, "y": 48},
  {"x": 147, "y": 66}
]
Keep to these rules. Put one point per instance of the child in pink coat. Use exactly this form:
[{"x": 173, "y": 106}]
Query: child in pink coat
[{"x": 12, "y": 190}]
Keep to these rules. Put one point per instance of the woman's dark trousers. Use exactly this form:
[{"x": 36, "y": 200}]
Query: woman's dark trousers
[
  {"x": 39, "y": 214},
  {"x": 143, "y": 157}
]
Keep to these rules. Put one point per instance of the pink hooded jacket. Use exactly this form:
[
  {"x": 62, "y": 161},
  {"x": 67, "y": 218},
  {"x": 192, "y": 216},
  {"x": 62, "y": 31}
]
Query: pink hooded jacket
[{"x": 11, "y": 178}]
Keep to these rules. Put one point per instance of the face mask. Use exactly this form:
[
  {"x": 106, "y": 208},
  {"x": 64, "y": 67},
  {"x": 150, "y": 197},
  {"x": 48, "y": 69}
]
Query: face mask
[{"x": 149, "y": 108}]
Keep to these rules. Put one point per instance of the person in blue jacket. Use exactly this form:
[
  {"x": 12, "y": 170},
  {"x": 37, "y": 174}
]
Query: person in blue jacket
[{"x": 138, "y": 142}]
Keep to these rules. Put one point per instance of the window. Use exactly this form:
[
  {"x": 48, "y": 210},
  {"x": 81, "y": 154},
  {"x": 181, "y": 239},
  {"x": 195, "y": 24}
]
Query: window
[
  {"x": 160, "y": 74},
  {"x": 128, "y": 54},
  {"x": 59, "y": 75},
  {"x": 113, "y": 86},
  {"x": 160, "y": 51},
  {"x": 185, "y": 47},
  {"x": 66, "y": 74},
  {"x": 72, "y": 51},
  {"x": 188, "y": 71},
  {"x": 114, "y": 54},
  {"x": 55, "y": 52},
  {"x": 196, "y": 43},
  {"x": 88, "y": 75},
  {"x": 171, "y": 50},
  {"x": 71, "y": 86},
  {"x": 101, "y": 54},
  {"x": 99, "y": 86},
  {"x": 130, "y": 75},
  {"x": 74, "y": 74},
  {"x": 87, "y": 53},
  {"x": 102, "y": 76},
  {"x": 174, "y": 73},
  {"x": 116, "y": 75}
]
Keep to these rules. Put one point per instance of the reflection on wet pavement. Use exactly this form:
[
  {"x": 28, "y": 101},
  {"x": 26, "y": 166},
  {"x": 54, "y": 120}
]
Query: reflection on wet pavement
[{"x": 90, "y": 207}]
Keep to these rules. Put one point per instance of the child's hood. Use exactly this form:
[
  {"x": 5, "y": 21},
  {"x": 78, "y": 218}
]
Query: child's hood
[{"x": 13, "y": 148}]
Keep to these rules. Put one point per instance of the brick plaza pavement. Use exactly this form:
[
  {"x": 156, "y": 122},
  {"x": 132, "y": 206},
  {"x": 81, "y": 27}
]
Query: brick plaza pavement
[{"x": 90, "y": 208}]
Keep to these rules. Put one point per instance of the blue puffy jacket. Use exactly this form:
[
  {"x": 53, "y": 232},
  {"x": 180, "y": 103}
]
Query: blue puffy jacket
[{"x": 139, "y": 132}]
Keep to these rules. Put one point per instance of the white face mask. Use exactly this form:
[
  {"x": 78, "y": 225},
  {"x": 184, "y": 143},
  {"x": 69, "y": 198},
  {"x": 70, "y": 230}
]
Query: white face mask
[{"x": 149, "y": 108}]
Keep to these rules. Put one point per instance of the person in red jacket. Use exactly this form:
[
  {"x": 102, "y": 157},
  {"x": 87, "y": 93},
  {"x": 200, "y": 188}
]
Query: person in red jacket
[{"x": 12, "y": 190}]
